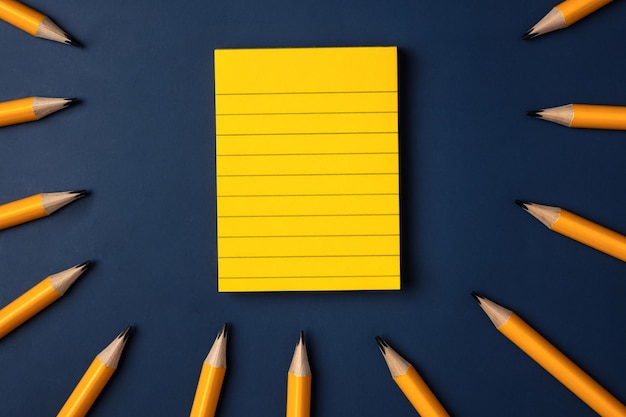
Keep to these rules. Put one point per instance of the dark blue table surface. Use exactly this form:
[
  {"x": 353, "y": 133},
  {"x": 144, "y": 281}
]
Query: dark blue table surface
[{"x": 143, "y": 142}]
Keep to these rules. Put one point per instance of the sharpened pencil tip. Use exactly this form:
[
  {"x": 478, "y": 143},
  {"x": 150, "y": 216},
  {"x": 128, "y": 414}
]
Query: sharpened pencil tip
[
  {"x": 535, "y": 113},
  {"x": 79, "y": 194},
  {"x": 223, "y": 331},
  {"x": 301, "y": 338},
  {"x": 477, "y": 296},
  {"x": 84, "y": 266},
  {"x": 381, "y": 344},
  {"x": 71, "y": 101},
  {"x": 126, "y": 333},
  {"x": 72, "y": 41},
  {"x": 522, "y": 204},
  {"x": 531, "y": 34}
]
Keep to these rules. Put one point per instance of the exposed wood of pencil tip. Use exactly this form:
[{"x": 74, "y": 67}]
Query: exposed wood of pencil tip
[
  {"x": 52, "y": 202},
  {"x": 496, "y": 313},
  {"x": 217, "y": 355},
  {"x": 110, "y": 356},
  {"x": 552, "y": 21},
  {"x": 63, "y": 280},
  {"x": 300, "y": 361},
  {"x": 49, "y": 30}
]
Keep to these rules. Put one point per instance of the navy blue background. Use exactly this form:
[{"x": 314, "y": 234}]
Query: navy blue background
[{"x": 143, "y": 142}]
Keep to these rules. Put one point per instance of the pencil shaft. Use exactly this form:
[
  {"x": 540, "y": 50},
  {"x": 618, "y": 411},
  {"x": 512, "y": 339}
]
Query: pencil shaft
[
  {"x": 420, "y": 395},
  {"x": 591, "y": 234},
  {"x": 298, "y": 395},
  {"x": 87, "y": 390},
  {"x": 21, "y": 16},
  {"x": 21, "y": 211},
  {"x": 208, "y": 391},
  {"x": 598, "y": 117},
  {"x": 561, "y": 367},
  {"x": 17, "y": 111},
  {"x": 574, "y": 10},
  {"x": 26, "y": 306}
]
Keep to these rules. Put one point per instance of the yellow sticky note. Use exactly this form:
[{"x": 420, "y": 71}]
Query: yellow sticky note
[{"x": 307, "y": 169}]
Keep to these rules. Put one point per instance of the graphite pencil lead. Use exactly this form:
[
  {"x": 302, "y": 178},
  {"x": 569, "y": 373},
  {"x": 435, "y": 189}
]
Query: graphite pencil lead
[
  {"x": 71, "y": 101},
  {"x": 301, "y": 338},
  {"x": 72, "y": 41},
  {"x": 477, "y": 296},
  {"x": 527, "y": 35},
  {"x": 381, "y": 344},
  {"x": 223, "y": 333},
  {"x": 125, "y": 333},
  {"x": 535, "y": 113},
  {"x": 84, "y": 266},
  {"x": 79, "y": 194},
  {"x": 522, "y": 204}
]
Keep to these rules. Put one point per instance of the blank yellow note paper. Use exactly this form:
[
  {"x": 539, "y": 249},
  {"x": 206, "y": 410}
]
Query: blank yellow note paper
[{"x": 307, "y": 169}]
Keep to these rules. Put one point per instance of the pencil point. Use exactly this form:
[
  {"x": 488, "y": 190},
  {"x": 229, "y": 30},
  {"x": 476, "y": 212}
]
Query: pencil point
[
  {"x": 535, "y": 113},
  {"x": 79, "y": 194},
  {"x": 301, "y": 338},
  {"x": 70, "y": 102},
  {"x": 381, "y": 344},
  {"x": 522, "y": 204},
  {"x": 126, "y": 333},
  {"x": 84, "y": 266},
  {"x": 530, "y": 34},
  {"x": 477, "y": 297},
  {"x": 223, "y": 331},
  {"x": 71, "y": 41}
]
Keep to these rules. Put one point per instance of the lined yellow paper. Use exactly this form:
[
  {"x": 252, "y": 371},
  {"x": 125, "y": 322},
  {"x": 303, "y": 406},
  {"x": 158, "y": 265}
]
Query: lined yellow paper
[{"x": 307, "y": 169}]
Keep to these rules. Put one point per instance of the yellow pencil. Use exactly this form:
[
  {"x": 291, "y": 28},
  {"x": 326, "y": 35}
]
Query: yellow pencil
[
  {"x": 33, "y": 22},
  {"x": 299, "y": 382},
  {"x": 35, "y": 207},
  {"x": 30, "y": 109},
  {"x": 411, "y": 383},
  {"x": 564, "y": 15},
  {"x": 575, "y": 227},
  {"x": 551, "y": 359},
  {"x": 95, "y": 378},
  {"x": 588, "y": 116},
  {"x": 211, "y": 378},
  {"x": 37, "y": 298}
]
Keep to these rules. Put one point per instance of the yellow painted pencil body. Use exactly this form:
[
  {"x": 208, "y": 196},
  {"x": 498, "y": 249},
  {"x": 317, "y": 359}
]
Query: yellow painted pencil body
[
  {"x": 87, "y": 390},
  {"x": 591, "y": 234},
  {"x": 298, "y": 396},
  {"x": 574, "y": 10},
  {"x": 21, "y": 211},
  {"x": 561, "y": 367},
  {"x": 208, "y": 391},
  {"x": 17, "y": 111},
  {"x": 27, "y": 305},
  {"x": 552, "y": 360},
  {"x": 37, "y": 298},
  {"x": 598, "y": 117},
  {"x": 420, "y": 396},
  {"x": 21, "y": 16}
]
